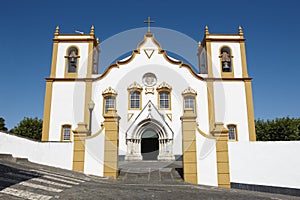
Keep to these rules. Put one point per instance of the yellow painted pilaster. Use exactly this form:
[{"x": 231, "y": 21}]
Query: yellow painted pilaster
[
  {"x": 221, "y": 135},
  {"x": 111, "y": 143},
  {"x": 189, "y": 146},
  {"x": 47, "y": 110},
  {"x": 211, "y": 103},
  {"x": 250, "y": 110},
  {"x": 80, "y": 134},
  {"x": 88, "y": 96}
]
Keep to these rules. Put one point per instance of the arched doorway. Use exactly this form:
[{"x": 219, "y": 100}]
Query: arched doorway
[{"x": 149, "y": 145}]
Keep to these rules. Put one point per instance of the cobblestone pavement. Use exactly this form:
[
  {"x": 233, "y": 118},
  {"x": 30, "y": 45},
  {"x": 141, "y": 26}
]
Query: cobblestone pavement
[{"x": 25, "y": 180}]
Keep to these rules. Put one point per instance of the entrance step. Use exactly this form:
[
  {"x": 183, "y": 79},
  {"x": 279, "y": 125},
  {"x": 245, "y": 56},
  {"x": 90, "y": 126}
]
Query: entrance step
[{"x": 144, "y": 172}]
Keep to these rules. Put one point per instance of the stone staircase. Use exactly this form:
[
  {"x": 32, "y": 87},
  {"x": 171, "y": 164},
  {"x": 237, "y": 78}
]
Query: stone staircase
[
  {"x": 9, "y": 157},
  {"x": 150, "y": 172}
]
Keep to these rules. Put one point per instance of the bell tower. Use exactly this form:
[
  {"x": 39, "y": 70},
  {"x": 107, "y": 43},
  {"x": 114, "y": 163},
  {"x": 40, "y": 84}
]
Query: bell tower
[
  {"x": 74, "y": 62},
  {"x": 223, "y": 58}
]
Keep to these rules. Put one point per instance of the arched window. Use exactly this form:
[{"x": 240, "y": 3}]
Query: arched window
[
  {"x": 72, "y": 60},
  {"x": 164, "y": 95},
  {"x": 189, "y": 99},
  {"x": 66, "y": 133},
  {"x": 135, "y": 96},
  {"x": 109, "y": 101},
  {"x": 232, "y": 132},
  {"x": 226, "y": 59}
]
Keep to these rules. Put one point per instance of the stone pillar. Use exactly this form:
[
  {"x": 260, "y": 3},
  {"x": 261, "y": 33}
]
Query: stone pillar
[
  {"x": 111, "y": 143},
  {"x": 221, "y": 135},
  {"x": 189, "y": 152},
  {"x": 80, "y": 134}
]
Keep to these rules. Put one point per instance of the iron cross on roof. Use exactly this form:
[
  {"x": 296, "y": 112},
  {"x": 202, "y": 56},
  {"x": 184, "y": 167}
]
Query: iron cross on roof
[{"x": 149, "y": 21}]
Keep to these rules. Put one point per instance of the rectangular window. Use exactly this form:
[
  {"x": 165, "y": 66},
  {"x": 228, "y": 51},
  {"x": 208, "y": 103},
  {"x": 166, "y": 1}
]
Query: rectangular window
[
  {"x": 189, "y": 102},
  {"x": 66, "y": 132},
  {"x": 109, "y": 103},
  {"x": 232, "y": 132},
  {"x": 164, "y": 100},
  {"x": 134, "y": 99}
]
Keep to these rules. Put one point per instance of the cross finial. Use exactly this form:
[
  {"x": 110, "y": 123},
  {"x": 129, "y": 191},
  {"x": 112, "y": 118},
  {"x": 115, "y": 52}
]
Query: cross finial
[{"x": 149, "y": 21}]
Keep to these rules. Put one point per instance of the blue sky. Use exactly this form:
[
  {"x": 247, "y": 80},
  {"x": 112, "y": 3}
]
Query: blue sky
[{"x": 272, "y": 30}]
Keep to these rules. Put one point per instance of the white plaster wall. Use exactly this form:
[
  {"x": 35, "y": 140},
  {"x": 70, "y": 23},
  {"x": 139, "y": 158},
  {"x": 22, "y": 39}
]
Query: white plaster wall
[
  {"x": 236, "y": 60},
  {"x": 55, "y": 154},
  {"x": 94, "y": 155},
  {"x": 82, "y": 61},
  {"x": 67, "y": 107},
  {"x": 206, "y": 161},
  {"x": 265, "y": 163},
  {"x": 231, "y": 106}
]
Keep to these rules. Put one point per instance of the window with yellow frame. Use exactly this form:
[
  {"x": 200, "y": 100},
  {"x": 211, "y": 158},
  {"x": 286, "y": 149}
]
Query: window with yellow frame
[
  {"x": 66, "y": 131},
  {"x": 135, "y": 96},
  {"x": 109, "y": 99},
  {"x": 164, "y": 96},
  {"x": 189, "y": 99},
  {"x": 232, "y": 132}
]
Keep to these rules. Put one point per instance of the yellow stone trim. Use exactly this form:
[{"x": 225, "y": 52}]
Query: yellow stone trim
[
  {"x": 79, "y": 147},
  {"x": 47, "y": 111},
  {"x": 54, "y": 60},
  {"x": 90, "y": 60},
  {"x": 129, "y": 116},
  {"x": 250, "y": 111},
  {"x": 88, "y": 97},
  {"x": 209, "y": 59},
  {"x": 226, "y": 74},
  {"x": 71, "y": 74},
  {"x": 244, "y": 60},
  {"x": 62, "y": 133},
  {"x": 111, "y": 143},
  {"x": 189, "y": 154},
  {"x": 169, "y": 115},
  {"x": 211, "y": 104},
  {"x": 221, "y": 135}
]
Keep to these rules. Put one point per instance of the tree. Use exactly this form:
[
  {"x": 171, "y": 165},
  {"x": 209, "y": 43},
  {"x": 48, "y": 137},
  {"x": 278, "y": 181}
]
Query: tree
[
  {"x": 2, "y": 124},
  {"x": 29, "y": 127},
  {"x": 280, "y": 129}
]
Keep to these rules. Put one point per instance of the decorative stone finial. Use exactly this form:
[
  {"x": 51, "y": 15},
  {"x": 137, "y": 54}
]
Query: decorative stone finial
[
  {"x": 240, "y": 31},
  {"x": 56, "y": 30},
  {"x": 206, "y": 30},
  {"x": 98, "y": 41},
  {"x": 92, "y": 30}
]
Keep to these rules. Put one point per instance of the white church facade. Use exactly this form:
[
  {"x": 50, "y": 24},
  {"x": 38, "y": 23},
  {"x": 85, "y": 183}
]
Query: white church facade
[
  {"x": 157, "y": 85},
  {"x": 149, "y": 93}
]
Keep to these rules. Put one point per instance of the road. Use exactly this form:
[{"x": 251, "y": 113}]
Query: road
[{"x": 25, "y": 180}]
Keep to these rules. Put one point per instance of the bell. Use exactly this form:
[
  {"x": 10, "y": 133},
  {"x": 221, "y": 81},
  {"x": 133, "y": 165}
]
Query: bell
[
  {"x": 73, "y": 57},
  {"x": 225, "y": 65}
]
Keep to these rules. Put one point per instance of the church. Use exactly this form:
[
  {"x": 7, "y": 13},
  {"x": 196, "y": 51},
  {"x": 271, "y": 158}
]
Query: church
[
  {"x": 150, "y": 105},
  {"x": 153, "y": 105}
]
